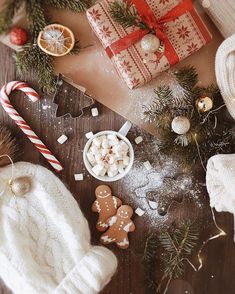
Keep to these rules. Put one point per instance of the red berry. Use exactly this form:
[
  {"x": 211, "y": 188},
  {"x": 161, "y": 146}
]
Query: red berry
[{"x": 18, "y": 36}]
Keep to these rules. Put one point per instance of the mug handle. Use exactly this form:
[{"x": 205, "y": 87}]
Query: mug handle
[{"x": 125, "y": 128}]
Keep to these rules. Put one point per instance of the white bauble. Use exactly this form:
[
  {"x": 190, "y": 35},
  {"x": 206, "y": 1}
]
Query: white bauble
[
  {"x": 180, "y": 125},
  {"x": 150, "y": 43}
]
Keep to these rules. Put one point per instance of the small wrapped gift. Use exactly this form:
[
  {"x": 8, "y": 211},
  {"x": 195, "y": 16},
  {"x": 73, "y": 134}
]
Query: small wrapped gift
[{"x": 172, "y": 25}]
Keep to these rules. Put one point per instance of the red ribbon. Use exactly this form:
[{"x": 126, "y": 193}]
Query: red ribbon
[{"x": 157, "y": 25}]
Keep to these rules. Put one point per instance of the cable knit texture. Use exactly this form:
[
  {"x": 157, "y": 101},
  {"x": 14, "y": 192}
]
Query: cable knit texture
[
  {"x": 222, "y": 12},
  {"x": 45, "y": 239},
  {"x": 220, "y": 182},
  {"x": 225, "y": 72}
]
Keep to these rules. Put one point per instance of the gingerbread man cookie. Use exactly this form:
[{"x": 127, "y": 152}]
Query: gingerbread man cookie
[
  {"x": 106, "y": 205},
  {"x": 119, "y": 227}
]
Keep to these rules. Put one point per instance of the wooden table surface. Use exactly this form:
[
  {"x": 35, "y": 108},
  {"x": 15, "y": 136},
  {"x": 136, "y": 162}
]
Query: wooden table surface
[{"x": 218, "y": 272}]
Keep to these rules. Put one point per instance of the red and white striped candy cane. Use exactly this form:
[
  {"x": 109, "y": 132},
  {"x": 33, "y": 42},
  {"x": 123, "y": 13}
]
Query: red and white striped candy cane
[{"x": 33, "y": 96}]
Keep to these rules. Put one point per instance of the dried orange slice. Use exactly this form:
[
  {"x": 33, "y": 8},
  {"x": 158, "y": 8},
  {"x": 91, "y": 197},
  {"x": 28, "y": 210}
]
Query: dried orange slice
[{"x": 56, "y": 40}]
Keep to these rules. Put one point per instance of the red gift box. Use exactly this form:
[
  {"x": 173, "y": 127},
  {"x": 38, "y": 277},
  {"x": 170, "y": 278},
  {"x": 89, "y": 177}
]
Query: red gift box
[{"x": 176, "y": 23}]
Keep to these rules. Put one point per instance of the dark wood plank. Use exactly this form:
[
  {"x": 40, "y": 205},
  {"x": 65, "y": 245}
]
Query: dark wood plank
[{"x": 217, "y": 275}]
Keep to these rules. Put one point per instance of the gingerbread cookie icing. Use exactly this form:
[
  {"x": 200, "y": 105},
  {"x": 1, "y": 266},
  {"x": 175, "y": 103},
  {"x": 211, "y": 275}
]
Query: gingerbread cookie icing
[
  {"x": 119, "y": 227},
  {"x": 106, "y": 205}
]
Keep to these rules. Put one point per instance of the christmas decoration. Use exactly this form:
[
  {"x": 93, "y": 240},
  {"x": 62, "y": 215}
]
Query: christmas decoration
[
  {"x": 31, "y": 56},
  {"x": 122, "y": 26},
  {"x": 54, "y": 219},
  {"x": 33, "y": 96},
  {"x": 180, "y": 125},
  {"x": 119, "y": 225},
  {"x": 209, "y": 133},
  {"x": 56, "y": 40},
  {"x": 150, "y": 43},
  {"x": 20, "y": 186},
  {"x": 176, "y": 246},
  {"x": 18, "y": 36},
  {"x": 204, "y": 104},
  {"x": 70, "y": 99},
  {"x": 106, "y": 205},
  {"x": 7, "y": 146}
]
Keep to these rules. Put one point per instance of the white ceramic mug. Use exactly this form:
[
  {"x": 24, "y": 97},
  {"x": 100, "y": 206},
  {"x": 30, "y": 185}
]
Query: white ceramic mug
[{"x": 121, "y": 134}]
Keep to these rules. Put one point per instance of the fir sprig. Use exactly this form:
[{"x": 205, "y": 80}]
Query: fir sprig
[
  {"x": 126, "y": 15},
  {"x": 30, "y": 57},
  {"x": 76, "y": 6},
  {"x": 209, "y": 133},
  {"x": 7, "y": 14},
  {"x": 176, "y": 246}
]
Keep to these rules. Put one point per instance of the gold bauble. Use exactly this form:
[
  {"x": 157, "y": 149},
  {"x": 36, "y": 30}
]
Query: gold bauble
[
  {"x": 20, "y": 186},
  {"x": 204, "y": 104}
]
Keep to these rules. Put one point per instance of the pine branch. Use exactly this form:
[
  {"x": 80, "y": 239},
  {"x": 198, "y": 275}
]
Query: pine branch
[
  {"x": 31, "y": 57},
  {"x": 178, "y": 245},
  {"x": 73, "y": 5},
  {"x": 7, "y": 14},
  {"x": 187, "y": 77},
  {"x": 179, "y": 99},
  {"x": 126, "y": 15},
  {"x": 37, "y": 17}
]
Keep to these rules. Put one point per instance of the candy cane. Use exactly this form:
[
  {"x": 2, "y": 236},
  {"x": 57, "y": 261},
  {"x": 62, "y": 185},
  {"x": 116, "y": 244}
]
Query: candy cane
[{"x": 33, "y": 96}]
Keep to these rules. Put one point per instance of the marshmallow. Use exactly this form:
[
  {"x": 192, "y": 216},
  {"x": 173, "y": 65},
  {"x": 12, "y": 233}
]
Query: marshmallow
[
  {"x": 104, "y": 152},
  {"x": 113, "y": 142},
  {"x": 113, "y": 167},
  {"x": 124, "y": 146},
  {"x": 89, "y": 135},
  {"x": 108, "y": 155},
  {"x": 112, "y": 137},
  {"x": 91, "y": 158},
  {"x": 96, "y": 141},
  {"x": 98, "y": 169},
  {"x": 78, "y": 177},
  {"x": 147, "y": 165},
  {"x": 105, "y": 144},
  {"x": 126, "y": 160},
  {"x": 62, "y": 139},
  {"x": 111, "y": 159},
  {"x": 94, "y": 112},
  {"x": 139, "y": 211},
  {"x": 94, "y": 150},
  {"x": 112, "y": 174},
  {"x": 138, "y": 140}
]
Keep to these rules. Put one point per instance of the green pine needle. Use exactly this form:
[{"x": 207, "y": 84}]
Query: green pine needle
[
  {"x": 173, "y": 247},
  {"x": 126, "y": 15},
  {"x": 212, "y": 132},
  {"x": 31, "y": 57},
  {"x": 7, "y": 13},
  {"x": 76, "y": 6}
]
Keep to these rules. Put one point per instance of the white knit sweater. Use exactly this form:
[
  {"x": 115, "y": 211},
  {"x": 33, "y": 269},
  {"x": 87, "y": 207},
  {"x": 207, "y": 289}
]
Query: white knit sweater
[
  {"x": 222, "y": 12},
  {"x": 225, "y": 72},
  {"x": 45, "y": 239},
  {"x": 220, "y": 182}
]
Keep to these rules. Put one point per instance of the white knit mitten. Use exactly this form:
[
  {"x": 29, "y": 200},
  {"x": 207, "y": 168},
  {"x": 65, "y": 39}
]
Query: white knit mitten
[
  {"x": 45, "y": 239},
  {"x": 220, "y": 182},
  {"x": 222, "y": 12},
  {"x": 225, "y": 72}
]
